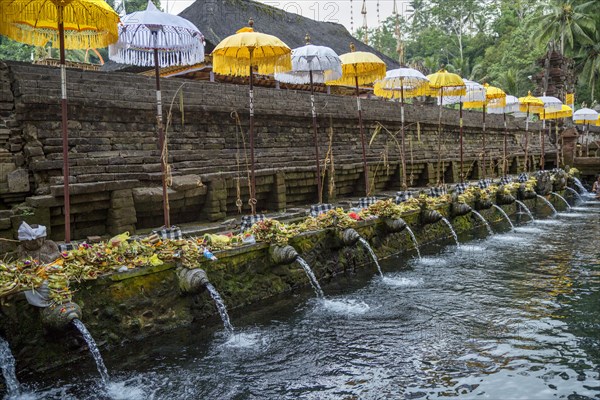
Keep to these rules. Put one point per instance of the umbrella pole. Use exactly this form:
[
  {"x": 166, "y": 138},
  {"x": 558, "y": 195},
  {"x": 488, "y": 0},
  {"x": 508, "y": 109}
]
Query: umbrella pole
[
  {"x": 460, "y": 124},
  {"x": 527, "y": 140},
  {"x": 161, "y": 140},
  {"x": 65, "y": 134},
  {"x": 557, "y": 145},
  {"x": 314, "y": 122},
  {"x": 543, "y": 142},
  {"x": 483, "y": 161},
  {"x": 504, "y": 155},
  {"x": 252, "y": 200},
  {"x": 402, "y": 137},
  {"x": 439, "y": 166},
  {"x": 362, "y": 138}
]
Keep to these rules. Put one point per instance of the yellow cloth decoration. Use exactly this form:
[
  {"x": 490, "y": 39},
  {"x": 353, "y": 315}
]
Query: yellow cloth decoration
[
  {"x": 570, "y": 98},
  {"x": 87, "y": 23},
  {"x": 367, "y": 67},
  {"x": 269, "y": 54},
  {"x": 492, "y": 94},
  {"x": 378, "y": 90},
  {"x": 564, "y": 112}
]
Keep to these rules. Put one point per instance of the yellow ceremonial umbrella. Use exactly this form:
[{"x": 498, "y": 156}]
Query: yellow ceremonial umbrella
[
  {"x": 238, "y": 55},
  {"x": 445, "y": 83},
  {"x": 564, "y": 112},
  {"x": 360, "y": 68},
  {"x": 68, "y": 24},
  {"x": 498, "y": 97},
  {"x": 525, "y": 105}
]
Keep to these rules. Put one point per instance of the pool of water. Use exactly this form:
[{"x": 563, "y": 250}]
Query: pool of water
[{"x": 511, "y": 316}]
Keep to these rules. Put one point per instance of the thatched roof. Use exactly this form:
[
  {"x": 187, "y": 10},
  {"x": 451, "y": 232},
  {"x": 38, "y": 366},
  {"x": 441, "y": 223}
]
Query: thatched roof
[{"x": 218, "y": 19}]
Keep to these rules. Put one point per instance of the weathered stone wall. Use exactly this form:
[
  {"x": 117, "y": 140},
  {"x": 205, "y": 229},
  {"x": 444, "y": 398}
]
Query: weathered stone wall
[
  {"x": 115, "y": 168},
  {"x": 146, "y": 301}
]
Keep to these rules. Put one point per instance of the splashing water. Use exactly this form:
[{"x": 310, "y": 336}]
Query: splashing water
[
  {"x": 575, "y": 193},
  {"x": 504, "y": 214},
  {"x": 451, "y": 230},
  {"x": 414, "y": 240},
  {"x": 87, "y": 336},
  {"x": 545, "y": 200},
  {"x": 580, "y": 186},
  {"x": 524, "y": 206},
  {"x": 562, "y": 198},
  {"x": 7, "y": 364},
  {"x": 220, "y": 307},
  {"x": 489, "y": 228},
  {"x": 311, "y": 277},
  {"x": 367, "y": 246}
]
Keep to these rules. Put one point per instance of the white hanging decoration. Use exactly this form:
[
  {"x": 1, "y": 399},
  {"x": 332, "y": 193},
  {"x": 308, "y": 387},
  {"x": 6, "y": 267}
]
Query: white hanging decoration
[{"x": 324, "y": 63}]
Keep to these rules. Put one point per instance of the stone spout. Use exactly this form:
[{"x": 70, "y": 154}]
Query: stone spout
[
  {"x": 192, "y": 281},
  {"x": 350, "y": 237},
  {"x": 59, "y": 317},
  {"x": 283, "y": 255},
  {"x": 459, "y": 209},
  {"x": 430, "y": 217},
  {"x": 394, "y": 225},
  {"x": 504, "y": 199}
]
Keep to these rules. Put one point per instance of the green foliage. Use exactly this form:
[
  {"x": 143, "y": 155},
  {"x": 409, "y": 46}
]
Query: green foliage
[{"x": 11, "y": 50}]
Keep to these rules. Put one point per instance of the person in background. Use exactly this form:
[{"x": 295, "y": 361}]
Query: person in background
[{"x": 596, "y": 187}]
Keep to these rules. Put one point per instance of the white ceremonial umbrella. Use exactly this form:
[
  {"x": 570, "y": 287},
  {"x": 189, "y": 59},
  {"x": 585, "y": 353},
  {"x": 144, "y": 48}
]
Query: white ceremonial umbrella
[
  {"x": 585, "y": 116},
  {"x": 551, "y": 104},
  {"x": 475, "y": 93},
  {"x": 511, "y": 106},
  {"x": 313, "y": 64},
  {"x": 403, "y": 80},
  {"x": 155, "y": 38}
]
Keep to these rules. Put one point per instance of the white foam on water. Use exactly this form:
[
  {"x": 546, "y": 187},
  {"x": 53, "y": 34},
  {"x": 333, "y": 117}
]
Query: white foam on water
[
  {"x": 572, "y": 215},
  {"x": 401, "y": 281},
  {"x": 242, "y": 340},
  {"x": 509, "y": 238},
  {"x": 524, "y": 229},
  {"x": 546, "y": 222},
  {"x": 125, "y": 391},
  {"x": 472, "y": 248},
  {"x": 432, "y": 261},
  {"x": 592, "y": 210},
  {"x": 346, "y": 306}
]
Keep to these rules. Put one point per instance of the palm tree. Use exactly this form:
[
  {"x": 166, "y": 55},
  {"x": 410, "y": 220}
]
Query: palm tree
[
  {"x": 566, "y": 22},
  {"x": 509, "y": 81},
  {"x": 588, "y": 61}
]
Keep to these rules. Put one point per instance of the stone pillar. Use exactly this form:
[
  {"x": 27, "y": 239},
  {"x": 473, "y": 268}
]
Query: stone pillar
[
  {"x": 568, "y": 139},
  {"x": 121, "y": 215},
  {"x": 277, "y": 197},
  {"x": 215, "y": 207}
]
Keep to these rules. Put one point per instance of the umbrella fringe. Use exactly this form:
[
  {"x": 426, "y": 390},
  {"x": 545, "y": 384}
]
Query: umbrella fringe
[
  {"x": 228, "y": 65},
  {"x": 145, "y": 58},
  {"x": 73, "y": 39}
]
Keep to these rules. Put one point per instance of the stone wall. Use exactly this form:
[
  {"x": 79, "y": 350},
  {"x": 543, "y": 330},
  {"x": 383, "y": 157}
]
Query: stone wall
[{"x": 115, "y": 168}]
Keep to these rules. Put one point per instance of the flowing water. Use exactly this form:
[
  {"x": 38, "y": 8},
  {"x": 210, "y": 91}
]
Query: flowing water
[
  {"x": 220, "y": 307},
  {"x": 7, "y": 364},
  {"x": 414, "y": 240},
  {"x": 510, "y": 316},
  {"x": 489, "y": 228},
  {"x": 575, "y": 193},
  {"x": 87, "y": 336},
  {"x": 562, "y": 198},
  {"x": 451, "y": 230},
  {"x": 581, "y": 188},
  {"x": 545, "y": 200},
  {"x": 367, "y": 246},
  {"x": 505, "y": 216},
  {"x": 524, "y": 206},
  {"x": 311, "y": 277}
]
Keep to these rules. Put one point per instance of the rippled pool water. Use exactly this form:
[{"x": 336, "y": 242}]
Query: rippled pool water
[{"x": 512, "y": 316}]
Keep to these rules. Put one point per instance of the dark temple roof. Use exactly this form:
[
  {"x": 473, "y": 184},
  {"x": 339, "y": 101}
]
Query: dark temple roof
[{"x": 218, "y": 19}]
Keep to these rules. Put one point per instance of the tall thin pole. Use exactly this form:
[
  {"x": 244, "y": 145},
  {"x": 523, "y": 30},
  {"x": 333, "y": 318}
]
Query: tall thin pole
[
  {"x": 402, "y": 136},
  {"x": 527, "y": 140},
  {"x": 439, "y": 166},
  {"x": 161, "y": 136},
  {"x": 483, "y": 161},
  {"x": 543, "y": 142},
  {"x": 505, "y": 150},
  {"x": 252, "y": 173},
  {"x": 557, "y": 144},
  {"x": 65, "y": 133},
  {"x": 460, "y": 120},
  {"x": 316, "y": 135},
  {"x": 362, "y": 138}
]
